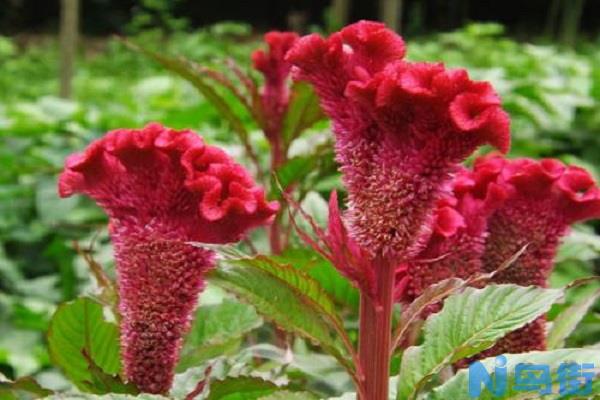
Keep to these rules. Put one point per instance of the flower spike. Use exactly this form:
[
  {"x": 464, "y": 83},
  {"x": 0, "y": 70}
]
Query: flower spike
[
  {"x": 162, "y": 189},
  {"x": 541, "y": 200},
  {"x": 275, "y": 94},
  {"x": 457, "y": 244},
  {"x": 401, "y": 129}
]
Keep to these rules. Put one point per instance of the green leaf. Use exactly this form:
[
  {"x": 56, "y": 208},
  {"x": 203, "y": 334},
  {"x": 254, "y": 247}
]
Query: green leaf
[
  {"x": 240, "y": 388},
  {"x": 302, "y": 113},
  {"x": 469, "y": 323},
  {"x": 190, "y": 72},
  {"x": 457, "y": 387},
  {"x": 112, "y": 396},
  {"x": 568, "y": 319},
  {"x": 296, "y": 169},
  {"x": 432, "y": 295},
  {"x": 438, "y": 292},
  {"x": 345, "y": 396},
  {"x": 288, "y": 297},
  {"x": 79, "y": 339},
  {"x": 292, "y": 171},
  {"x": 217, "y": 328},
  {"x": 106, "y": 383},
  {"x": 23, "y": 388},
  {"x": 287, "y": 395},
  {"x": 338, "y": 287}
]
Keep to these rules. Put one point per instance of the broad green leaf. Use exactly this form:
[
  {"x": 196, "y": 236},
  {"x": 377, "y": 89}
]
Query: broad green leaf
[
  {"x": 106, "y": 383},
  {"x": 437, "y": 293},
  {"x": 432, "y": 295},
  {"x": 302, "y": 113},
  {"x": 79, "y": 338},
  {"x": 21, "y": 389},
  {"x": 296, "y": 169},
  {"x": 292, "y": 171},
  {"x": 287, "y": 395},
  {"x": 345, "y": 396},
  {"x": 288, "y": 297},
  {"x": 216, "y": 329},
  {"x": 568, "y": 319},
  {"x": 457, "y": 387},
  {"x": 469, "y": 323},
  {"x": 240, "y": 388},
  {"x": 338, "y": 287},
  {"x": 189, "y": 381},
  {"x": 310, "y": 290},
  {"x": 111, "y": 396}
]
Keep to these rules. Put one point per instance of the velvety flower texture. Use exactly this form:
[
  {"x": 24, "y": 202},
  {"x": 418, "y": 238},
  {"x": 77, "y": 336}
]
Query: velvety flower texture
[
  {"x": 457, "y": 244},
  {"x": 542, "y": 199},
  {"x": 275, "y": 94},
  {"x": 401, "y": 128},
  {"x": 161, "y": 189}
]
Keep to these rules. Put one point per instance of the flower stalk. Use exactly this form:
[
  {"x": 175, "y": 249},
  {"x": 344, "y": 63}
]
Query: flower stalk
[
  {"x": 401, "y": 131},
  {"x": 375, "y": 339},
  {"x": 161, "y": 190}
]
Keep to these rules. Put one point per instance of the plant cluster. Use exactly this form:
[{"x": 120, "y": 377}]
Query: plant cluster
[{"x": 449, "y": 261}]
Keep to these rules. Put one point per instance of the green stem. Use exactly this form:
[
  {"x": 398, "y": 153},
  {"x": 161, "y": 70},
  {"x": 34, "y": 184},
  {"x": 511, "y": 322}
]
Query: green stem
[{"x": 278, "y": 158}]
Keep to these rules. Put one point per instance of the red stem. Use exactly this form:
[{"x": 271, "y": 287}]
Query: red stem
[
  {"x": 374, "y": 343},
  {"x": 275, "y": 237}
]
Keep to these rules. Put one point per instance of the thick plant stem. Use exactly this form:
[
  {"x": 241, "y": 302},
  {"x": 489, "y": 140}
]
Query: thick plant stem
[{"x": 375, "y": 334}]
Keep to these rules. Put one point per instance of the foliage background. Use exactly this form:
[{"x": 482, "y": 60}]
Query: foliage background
[{"x": 552, "y": 93}]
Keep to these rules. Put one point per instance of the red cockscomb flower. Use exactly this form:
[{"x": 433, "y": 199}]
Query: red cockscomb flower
[
  {"x": 275, "y": 94},
  {"x": 401, "y": 128},
  {"x": 542, "y": 199},
  {"x": 161, "y": 189},
  {"x": 456, "y": 246}
]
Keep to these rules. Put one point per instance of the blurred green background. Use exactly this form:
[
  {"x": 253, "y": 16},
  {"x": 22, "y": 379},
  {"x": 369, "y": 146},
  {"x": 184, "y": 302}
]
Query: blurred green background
[{"x": 543, "y": 57}]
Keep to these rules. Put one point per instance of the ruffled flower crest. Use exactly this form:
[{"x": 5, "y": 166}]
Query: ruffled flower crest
[
  {"x": 401, "y": 129},
  {"x": 542, "y": 199},
  {"x": 161, "y": 189}
]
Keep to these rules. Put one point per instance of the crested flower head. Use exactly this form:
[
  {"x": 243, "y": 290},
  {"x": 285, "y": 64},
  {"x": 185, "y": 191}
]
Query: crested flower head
[
  {"x": 161, "y": 189},
  {"x": 457, "y": 243},
  {"x": 168, "y": 181},
  {"x": 401, "y": 130},
  {"x": 272, "y": 63},
  {"x": 539, "y": 201},
  {"x": 275, "y": 94}
]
